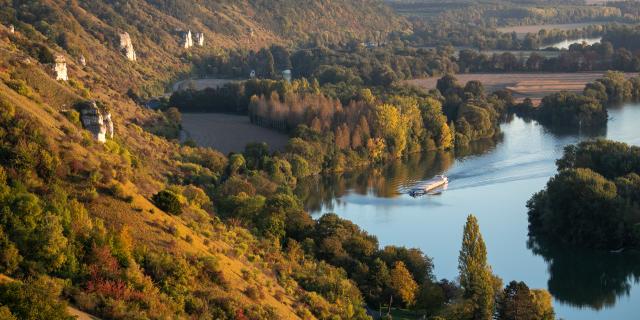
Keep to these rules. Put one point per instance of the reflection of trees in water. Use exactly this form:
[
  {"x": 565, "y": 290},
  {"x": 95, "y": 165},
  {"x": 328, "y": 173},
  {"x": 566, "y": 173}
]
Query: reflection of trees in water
[
  {"x": 588, "y": 279},
  {"x": 381, "y": 181}
]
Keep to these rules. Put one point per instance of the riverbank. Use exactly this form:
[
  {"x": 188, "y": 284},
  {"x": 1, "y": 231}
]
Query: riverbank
[
  {"x": 523, "y": 85},
  {"x": 494, "y": 183}
]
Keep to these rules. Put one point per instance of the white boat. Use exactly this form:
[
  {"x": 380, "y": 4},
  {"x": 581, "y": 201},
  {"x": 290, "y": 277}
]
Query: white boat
[{"x": 430, "y": 185}]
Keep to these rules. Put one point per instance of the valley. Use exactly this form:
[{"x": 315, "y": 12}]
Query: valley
[
  {"x": 524, "y": 85},
  {"x": 249, "y": 160}
]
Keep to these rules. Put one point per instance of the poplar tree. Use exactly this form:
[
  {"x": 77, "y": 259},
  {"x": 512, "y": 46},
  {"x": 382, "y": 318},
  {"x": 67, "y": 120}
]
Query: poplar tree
[{"x": 475, "y": 273}]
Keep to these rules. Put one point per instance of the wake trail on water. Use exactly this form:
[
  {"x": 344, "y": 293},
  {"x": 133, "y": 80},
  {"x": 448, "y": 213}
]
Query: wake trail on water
[{"x": 479, "y": 176}]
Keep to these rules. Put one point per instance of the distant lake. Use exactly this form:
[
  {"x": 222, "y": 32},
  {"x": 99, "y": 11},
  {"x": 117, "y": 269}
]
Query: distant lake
[
  {"x": 566, "y": 43},
  {"x": 493, "y": 181}
]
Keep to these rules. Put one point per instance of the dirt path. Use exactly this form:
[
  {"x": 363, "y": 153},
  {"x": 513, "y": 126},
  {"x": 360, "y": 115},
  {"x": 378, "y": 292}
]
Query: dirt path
[{"x": 229, "y": 133}]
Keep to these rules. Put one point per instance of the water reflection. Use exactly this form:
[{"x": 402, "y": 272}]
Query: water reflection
[
  {"x": 588, "y": 279},
  {"x": 380, "y": 181},
  {"x": 493, "y": 180},
  {"x": 387, "y": 181}
]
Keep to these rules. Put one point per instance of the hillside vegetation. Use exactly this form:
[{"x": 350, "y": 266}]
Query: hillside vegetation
[
  {"x": 139, "y": 226},
  {"x": 91, "y": 28}
]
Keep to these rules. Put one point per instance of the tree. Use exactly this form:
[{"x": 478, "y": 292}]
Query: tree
[
  {"x": 475, "y": 273},
  {"x": 402, "y": 284},
  {"x": 543, "y": 305},
  {"x": 517, "y": 303},
  {"x": 34, "y": 300},
  {"x": 167, "y": 201}
]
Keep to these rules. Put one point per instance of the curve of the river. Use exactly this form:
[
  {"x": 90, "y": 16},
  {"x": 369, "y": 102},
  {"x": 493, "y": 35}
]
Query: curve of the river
[{"x": 494, "y": 183}]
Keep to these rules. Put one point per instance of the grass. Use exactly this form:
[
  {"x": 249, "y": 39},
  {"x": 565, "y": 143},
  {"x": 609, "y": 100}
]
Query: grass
[
  {"x": 229, "y": 133},
  {"x": 400, "y": 314}
]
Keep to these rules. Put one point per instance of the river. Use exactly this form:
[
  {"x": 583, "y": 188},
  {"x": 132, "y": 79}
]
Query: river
[
  {"x": 493, "y": 182},
  {"x": 564, "y": 45}
]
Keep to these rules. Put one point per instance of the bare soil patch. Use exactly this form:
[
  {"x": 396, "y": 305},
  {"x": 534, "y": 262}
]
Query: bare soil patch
[
  {"x": 524, "y": 85},
  {"x": 229, "y": 133}
]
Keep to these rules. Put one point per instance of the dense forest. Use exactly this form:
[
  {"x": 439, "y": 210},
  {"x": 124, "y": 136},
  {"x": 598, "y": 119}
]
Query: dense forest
[
  {"x": 593, "y": 201},
  {"x": 329, "y": 134}
]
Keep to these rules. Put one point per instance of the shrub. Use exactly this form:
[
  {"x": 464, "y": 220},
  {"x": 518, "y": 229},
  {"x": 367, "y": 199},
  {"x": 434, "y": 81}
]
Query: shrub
[
  {"x": 117, "y": 190},
  {"x": 73, "y": 116},
  {"x": 168, "y": 202},
  {"x": 21, "y": 87},
  {"x": 254, "y": 293},
  {"x": 34, "y": 299}
]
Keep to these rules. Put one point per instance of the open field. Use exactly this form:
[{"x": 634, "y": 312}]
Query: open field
[
  {"x": 199, "y": 84},
  {"x": 521, "y": 31},
  {"x": 229, "y": 133},
  {"x": 523, "y": 85}
]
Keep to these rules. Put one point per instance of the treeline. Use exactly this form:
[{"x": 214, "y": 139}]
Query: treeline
[
  {"x": 235, "y": 97},
  {"x": 592, "y": 202},
  {"x": 328, "y": 135},
  {"x": 351, "y": 62},
  {"x": 482, "y": 38},
  {"x": 579, "y": 57},
  {"x": 586, "y": 110},
  {"x": 505, "y": 13}
]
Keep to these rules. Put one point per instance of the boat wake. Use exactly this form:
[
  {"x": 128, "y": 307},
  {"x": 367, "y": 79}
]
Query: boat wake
[{"x": 460, "y": 183}]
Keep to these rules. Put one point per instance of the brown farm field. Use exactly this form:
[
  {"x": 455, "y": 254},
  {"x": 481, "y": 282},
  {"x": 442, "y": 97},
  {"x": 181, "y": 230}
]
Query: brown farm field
[
  {"x": 229, "y": 133},
  {"x": 523, "y": 85},
  {"x": 521, "y": 31}
]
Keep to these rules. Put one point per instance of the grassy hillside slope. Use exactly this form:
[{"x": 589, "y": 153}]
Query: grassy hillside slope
[
  {"x": 92, "y": 236},
  {"x": 91, "y": 28}
]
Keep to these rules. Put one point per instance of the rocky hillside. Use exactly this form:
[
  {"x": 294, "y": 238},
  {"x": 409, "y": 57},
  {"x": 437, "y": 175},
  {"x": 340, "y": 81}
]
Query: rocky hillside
[
  {"x": 93, "y": 29},
  {"x": 121, "y": 223}
]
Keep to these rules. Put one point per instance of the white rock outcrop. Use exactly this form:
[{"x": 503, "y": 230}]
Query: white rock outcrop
[
  {"x": 286, "y": 75},
  {"x": 60, "y": 68},
  {"x": 96, "y": 121},
  {"x": 187, "y": 40},
  {"x": 12, "y": 29},
  {"x": 126, "y": 46},
  {"x": 199, "y": 39}
]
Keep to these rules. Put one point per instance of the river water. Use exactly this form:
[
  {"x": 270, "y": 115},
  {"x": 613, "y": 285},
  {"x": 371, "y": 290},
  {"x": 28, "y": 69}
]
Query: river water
[
  {"x": 567, "y": 43},
  {"x": 493, "y": 182}
]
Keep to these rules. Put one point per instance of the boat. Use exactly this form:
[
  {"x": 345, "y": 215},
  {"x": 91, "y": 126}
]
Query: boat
[{"x": 430, "y": 185}]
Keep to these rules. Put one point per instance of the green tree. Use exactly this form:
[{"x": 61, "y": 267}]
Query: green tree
[
  {"x": 167, "y": 201},
  {"x": 34, "y": 300},
  {"x": 475, "y": 273},
  {"x": 517, "y": 303}
]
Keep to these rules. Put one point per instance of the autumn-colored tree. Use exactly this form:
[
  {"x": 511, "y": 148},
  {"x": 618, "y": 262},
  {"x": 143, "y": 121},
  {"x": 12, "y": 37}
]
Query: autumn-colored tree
[
  {"x": 390, "y": 125},
  {"x": 475, "y": 274},
  {"x": 402, "y": 284},
  {"x": 376, "y": 148},
  {"x": 543, "y": 305}
]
